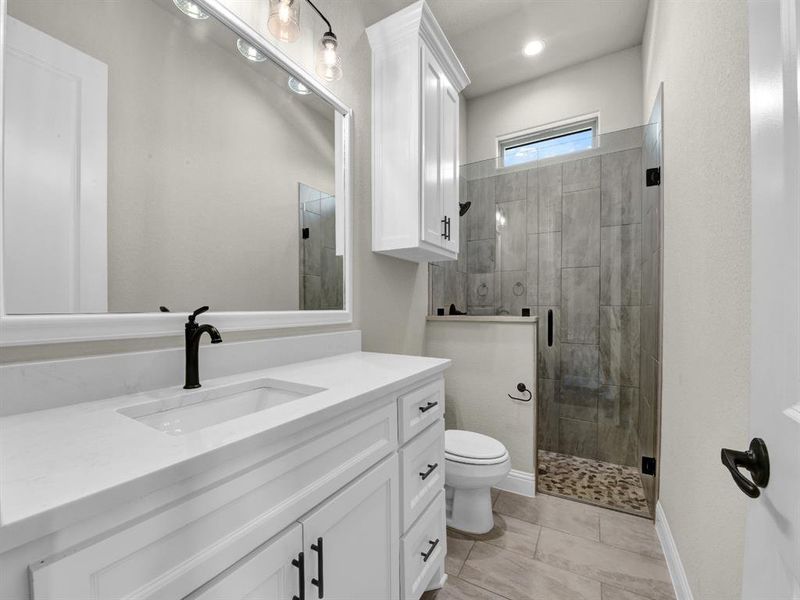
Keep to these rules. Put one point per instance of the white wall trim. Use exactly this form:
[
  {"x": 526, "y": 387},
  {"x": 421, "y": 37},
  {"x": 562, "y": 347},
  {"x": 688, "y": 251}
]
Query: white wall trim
[
  {"x": 518, "y": 482},
  {"x": 670, "y": 549}
]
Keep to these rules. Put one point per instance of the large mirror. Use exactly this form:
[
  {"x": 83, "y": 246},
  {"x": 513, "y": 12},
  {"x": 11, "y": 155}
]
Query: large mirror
[{"x": 159, "y": 158}]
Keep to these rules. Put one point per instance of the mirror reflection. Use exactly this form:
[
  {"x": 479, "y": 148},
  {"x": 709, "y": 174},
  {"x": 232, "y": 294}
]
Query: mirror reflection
[{"x": 155, "y": 159}]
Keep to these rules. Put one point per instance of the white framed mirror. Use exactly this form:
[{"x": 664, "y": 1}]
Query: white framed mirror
[{"x": 158, "y": 156}]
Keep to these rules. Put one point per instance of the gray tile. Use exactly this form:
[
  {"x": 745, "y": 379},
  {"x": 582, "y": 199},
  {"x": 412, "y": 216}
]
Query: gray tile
[
  {"x": 611, "y": 592},
  {"x": 580, "y": 298},
  {"x": 617, "y": 445},
  {"x": 518, "y": 577},
  {"x": 533, "y": 200},
  {"x": 646, "y": 432},
  {"x": 651, "y": 226},
  {"x": 436, "y": 283},
  {"x": 549, "y": 359},
  {"x": 330, "y": 287},
  {"x": 482, "y": 311},
  {"x": 449, "y": 286},
  {"x": 328, "y": 221},
  {"x": 580, "y": 365},
  {"x": 512, "y": 534},
  {"x": 549, "y": 198},
  {"x": 481, "y": 256},
  {"x": 555, "y": 513},
  {"x": 311, "y": 292},
  {"x": 619, "y": 345},
  {"x": 581, "y": 229},
  {"x": 622, "y": 187},
  {"x": 619, "y": 406},
  {"x": 649, "y": 331},
  {"x": 458, "y": 547},
  {"x": 582, "y": 174},
  {"x": 481, "y": 216},
  {"x": 340, "y": 281},
  {"x": 620, "y": 265},
  {"x": 630, "y": 533},
  {"x": 532, "y": 268},
  {"x": 550, "y": 269},
  {"x": 513, "y": 293},
  {"x": 458, "y": 589},
  {"x": 480, "y": 290},
  {"x": 629, "y": 571},
  {"x": 463, "y": 241},
  {"x": 651, "y": 283},
  {"x": 312, "y": 246},
  {"x": 511, "y": 236},
  {"x": 578, "y": 438},
  {"x": 511, "y": 187},
  {"x": 547, "y": 414},
  {"x": 578, "y": 402}
]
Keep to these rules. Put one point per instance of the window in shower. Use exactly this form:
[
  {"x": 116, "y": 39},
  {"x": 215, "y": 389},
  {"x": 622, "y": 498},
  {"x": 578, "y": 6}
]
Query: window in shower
[{"x": 556, "y": 141}]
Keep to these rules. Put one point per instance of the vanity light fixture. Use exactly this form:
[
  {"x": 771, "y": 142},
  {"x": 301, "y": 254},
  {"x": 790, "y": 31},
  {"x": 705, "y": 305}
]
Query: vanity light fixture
[
  {"x": 533, "y": 48},
  {"x": 249, "y": 52},
  {"x": 190, "y": 9},
  {"x": 284, "y": 24},
  {"x": 298, "y": 87}
]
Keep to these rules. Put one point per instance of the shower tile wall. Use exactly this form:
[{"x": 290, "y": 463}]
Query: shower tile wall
[
  {"x": 566, "y": 237},
  {"x": 321, "y": 270}
]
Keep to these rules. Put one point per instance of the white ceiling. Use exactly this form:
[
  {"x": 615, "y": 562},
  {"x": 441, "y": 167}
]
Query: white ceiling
[{"x": 488, "y": 35}]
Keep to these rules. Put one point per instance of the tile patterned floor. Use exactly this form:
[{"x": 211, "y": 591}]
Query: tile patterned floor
[
  {"x": 592, "y": 481},
  {"x": 549, "y": 548}
]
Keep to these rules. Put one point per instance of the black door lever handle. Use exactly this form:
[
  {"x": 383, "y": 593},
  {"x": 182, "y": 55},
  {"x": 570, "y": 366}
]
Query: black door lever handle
[{"x": 755, "y": 460}]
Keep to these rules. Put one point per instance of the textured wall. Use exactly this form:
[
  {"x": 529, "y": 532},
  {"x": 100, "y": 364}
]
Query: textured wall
[
  {"x": 699, "y": 50},
  {"x": 610, "y": 85}
]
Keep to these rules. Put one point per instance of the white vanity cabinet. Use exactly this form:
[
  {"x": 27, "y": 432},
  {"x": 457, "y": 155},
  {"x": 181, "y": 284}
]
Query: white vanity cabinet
[
  {"x": 416, "y": 81},
  {"x": 350, "y": 508}
]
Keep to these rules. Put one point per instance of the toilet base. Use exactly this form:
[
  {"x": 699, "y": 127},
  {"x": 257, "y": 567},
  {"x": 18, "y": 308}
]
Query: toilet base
[{"x": 469, "y": 510}]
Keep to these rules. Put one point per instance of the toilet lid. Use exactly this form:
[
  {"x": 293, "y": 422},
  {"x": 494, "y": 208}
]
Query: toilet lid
[{"x": 471, "y": 445}]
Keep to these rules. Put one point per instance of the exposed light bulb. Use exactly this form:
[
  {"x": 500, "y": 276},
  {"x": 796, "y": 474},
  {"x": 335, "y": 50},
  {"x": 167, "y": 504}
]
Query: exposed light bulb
[
  {"x": 329, "y": 64},
  {"x": 298, "y": 87},
  {"x": 249, "y": 51},
  {"x": 284, "y": 19},
  {"x": 533, "y": 48},
  {"x": 190, "y": 9}
]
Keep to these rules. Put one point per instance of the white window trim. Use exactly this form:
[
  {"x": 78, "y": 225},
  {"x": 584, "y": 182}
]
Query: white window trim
[{"x": 546, "y": 131}]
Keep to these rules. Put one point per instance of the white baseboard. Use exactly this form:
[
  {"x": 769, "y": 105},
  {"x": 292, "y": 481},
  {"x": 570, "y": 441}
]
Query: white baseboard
[
  {"x": 674, "y": 564},
  {"x": 518, "y": 482}
]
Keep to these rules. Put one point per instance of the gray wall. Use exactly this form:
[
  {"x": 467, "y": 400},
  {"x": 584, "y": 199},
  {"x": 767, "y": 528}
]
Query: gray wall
[
  {"x": 204, "y": 160},
  {"x": 565, "y": 237}
]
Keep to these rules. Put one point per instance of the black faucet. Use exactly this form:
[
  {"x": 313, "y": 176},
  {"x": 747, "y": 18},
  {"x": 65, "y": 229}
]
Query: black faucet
[{"x": 193, "y": 334}]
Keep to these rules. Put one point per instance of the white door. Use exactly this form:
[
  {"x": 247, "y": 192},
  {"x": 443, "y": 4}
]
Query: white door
[
  {"x": 432, "y": 215},
  {"x": 55, "y": 171},
  {"x": 449, "y": 164},
  {"x": 772, "y": 538},
  {"x": 270, "y": 572},
  {"x": 351, "y": 542}
]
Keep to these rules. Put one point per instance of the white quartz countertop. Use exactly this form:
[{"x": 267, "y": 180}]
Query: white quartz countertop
[{"x": 61, "y": 465}]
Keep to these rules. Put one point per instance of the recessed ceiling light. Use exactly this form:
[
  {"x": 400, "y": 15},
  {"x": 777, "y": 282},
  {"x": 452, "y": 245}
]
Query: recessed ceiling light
[
  {"x": 298, "y": 87},
  {"x": 250, "y": 52},
  {"x": 190, "y": 9},
  {"x": 533, "y": 48}
]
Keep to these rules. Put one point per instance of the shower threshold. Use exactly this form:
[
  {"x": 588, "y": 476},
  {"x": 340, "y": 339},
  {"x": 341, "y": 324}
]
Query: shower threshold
[{"x": 593, "y": 482}]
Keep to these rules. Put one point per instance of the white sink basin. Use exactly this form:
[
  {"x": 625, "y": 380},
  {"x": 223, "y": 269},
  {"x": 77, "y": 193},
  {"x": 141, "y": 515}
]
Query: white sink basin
[{"x": 193, "y": 410}]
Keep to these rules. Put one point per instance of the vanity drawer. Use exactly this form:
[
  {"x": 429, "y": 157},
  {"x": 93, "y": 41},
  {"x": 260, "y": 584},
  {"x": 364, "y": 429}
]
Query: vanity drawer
[
  {"x": 423, "y": 550},
  {"x": 422, "y": 472},
  {"x": 172, "y": 552},
  {"x": 419, "y": 408}
]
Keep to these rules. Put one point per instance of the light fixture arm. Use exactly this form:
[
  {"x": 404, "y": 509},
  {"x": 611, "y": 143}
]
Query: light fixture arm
[{"x": 328, "y": 23}]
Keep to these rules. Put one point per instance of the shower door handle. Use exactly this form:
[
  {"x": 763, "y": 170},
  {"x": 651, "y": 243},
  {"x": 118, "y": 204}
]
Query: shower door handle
[{"x": 755, "y": 459}]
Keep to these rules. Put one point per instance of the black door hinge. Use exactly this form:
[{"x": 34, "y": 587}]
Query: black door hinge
[
  {"x": 305, "y": 233},
  {"x": 653, "y": 176},
  {"x": 648, "y": 465}
]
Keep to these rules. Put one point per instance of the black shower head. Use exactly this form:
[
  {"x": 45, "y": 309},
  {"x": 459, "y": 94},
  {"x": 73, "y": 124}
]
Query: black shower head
[{"x": 463, "y": 207}]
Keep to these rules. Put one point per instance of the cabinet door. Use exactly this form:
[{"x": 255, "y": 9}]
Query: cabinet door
[
  {"x": 449, "y": 163},
  {"x": 432, "y": 214},
  {"x": 270, "y": 572},
  {"x": 351, "y": 542}
]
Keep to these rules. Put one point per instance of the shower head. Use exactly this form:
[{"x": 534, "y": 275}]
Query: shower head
[{"x": 463, "y": 207}]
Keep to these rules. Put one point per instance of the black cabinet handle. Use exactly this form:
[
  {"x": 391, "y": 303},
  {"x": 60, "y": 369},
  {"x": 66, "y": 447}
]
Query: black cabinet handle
[
  {"x": 449, "y": 223},
  {"x": 444, "y": 227},
  {"x": 427, "y": 555},
  {"x": 755, "y": 460},
  {"x": 300, "y": 563},
  {"x": 427, "y": 407},
  {"x": 431, "y": 469},
  {"x": 319, "y": 581}
]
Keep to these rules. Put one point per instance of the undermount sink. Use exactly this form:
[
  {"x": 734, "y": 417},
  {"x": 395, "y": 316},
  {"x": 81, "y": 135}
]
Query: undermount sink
[{"x": 193, "y": 410}]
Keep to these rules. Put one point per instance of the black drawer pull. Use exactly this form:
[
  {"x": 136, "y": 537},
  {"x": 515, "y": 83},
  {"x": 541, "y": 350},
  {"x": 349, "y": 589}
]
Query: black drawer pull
[
  {"x": 427, "y": 407},
  {"x": 427, "y": 555},
  {"x": 319, "y": 581},
  {"x": 300, "y": 563},
  {"x": 431, "y": 469}
]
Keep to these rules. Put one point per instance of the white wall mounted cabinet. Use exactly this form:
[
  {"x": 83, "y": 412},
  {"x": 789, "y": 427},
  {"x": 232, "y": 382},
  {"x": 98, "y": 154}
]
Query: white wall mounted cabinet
[{"x": 416, "y": 81}]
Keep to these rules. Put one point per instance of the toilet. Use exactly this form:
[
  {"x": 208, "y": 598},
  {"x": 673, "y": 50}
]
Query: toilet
[{"x": 473, "y": 464}]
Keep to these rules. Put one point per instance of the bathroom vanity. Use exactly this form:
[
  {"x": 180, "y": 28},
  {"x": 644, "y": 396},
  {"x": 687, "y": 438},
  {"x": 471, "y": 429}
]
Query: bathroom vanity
[{"x": 319, "y": 479}]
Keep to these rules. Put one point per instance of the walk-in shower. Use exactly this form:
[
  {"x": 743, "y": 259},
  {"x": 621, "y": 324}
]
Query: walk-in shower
[{"x": 575, "y": 239}]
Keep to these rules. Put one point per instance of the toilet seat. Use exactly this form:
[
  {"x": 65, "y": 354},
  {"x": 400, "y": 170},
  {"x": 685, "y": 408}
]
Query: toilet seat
[{"x": 470, "y": 448}]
